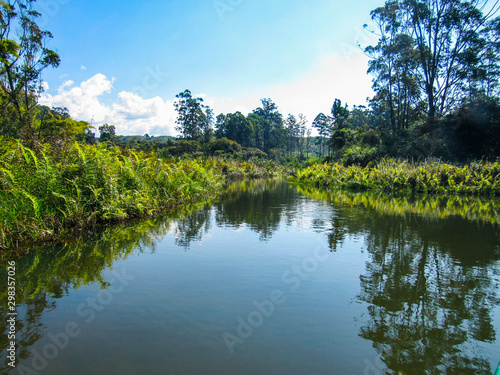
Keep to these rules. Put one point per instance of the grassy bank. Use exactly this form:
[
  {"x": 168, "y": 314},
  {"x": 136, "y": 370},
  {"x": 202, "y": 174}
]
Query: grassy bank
[
  {"x": 479, "y": 178},
  {"x": 47, "y": 193}
]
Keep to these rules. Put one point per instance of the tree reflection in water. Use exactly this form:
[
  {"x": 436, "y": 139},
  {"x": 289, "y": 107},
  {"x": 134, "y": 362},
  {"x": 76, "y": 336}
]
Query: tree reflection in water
[
  {"x": 44, "y": 275},
  {"x": 432, "y": 277},
  {"x": 430, "y": 283}
]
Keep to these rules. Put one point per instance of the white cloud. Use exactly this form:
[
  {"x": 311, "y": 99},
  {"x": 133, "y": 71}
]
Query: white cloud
[
  {"x": 153, "y": 116},
  {"x": 83, "y": 67},
  {"x": 130, "y": 113},
  {"x": 314, "y": 92},
  {"x": 45, "y": 86},
  {"x": 334, "y": 77},
  {"x": 68, "y": 83}
]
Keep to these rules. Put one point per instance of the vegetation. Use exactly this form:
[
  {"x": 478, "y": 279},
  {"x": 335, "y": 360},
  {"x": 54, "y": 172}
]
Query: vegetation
[
  {"x": 436, "y": 69},
  {"x": 436, "y": 75},
  {"x": 479, "y": 209},
  {"x": 391, "y": 175},
  {"x": 45, "y": 192},
  {"x": 23, "y": 56}
]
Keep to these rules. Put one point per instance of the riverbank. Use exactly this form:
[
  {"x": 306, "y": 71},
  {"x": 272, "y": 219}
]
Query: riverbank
[
  {"x": 48, "y": 193},
  {"x": 478, "y": 178}
]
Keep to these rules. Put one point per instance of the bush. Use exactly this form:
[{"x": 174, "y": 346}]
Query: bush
[
  {"x": 358, "y": 155},
  {"x": 430, "y": 176},
  {"x": 44, "y": 192},
  {"x": 222, "y": 146},
  {"x": 368, "y": 136},
  {"x": 249, "y": 153},
  {"x": 182, "y": 147}
]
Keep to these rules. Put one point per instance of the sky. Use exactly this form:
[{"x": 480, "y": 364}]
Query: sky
[{"x": 123, "y": 62}]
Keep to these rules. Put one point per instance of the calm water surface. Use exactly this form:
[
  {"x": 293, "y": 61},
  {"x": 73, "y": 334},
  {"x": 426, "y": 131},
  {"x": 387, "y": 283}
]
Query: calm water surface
[{"x": 271, "y": 279}]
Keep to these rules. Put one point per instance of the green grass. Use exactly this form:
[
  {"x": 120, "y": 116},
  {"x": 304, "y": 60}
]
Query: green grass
[
  {"x": 479, "y": 178},
  {"x": 46, "y": 193}
]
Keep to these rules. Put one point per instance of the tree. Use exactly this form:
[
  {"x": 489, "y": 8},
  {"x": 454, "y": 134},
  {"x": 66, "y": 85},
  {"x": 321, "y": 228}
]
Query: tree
[
  {"x": 292, "y": 130},
  {"x": 271, "y": 125},
  {"x": 339, "y": 114},
  {"x": 207, "y": 125},
  {"x": 55, "y": 125},
  {"x": 308, "y": 142},
  {"x": 236, "y": 127},
  {"x": 302, "y": 129},
  {"x": 394, "y": 64},
  {"x": 432, "y": 48},
  {"x": 340, "y": 135},
  {"x": 108, "y": 133},
  {"x": 193, "y": 117},
  {"x": 23, "y": 57},
  {"x": 323, "y": 125}
]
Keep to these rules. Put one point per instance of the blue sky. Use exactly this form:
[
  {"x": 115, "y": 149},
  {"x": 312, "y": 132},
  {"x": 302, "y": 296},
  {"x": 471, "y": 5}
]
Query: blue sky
[{"x": 123, "y": 62}]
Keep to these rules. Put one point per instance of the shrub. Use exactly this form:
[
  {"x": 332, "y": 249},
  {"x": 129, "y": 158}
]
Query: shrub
[
  {"x": 182, "y": 147},
  {"x": 358, "y": 155},
  {"x": 222, "y": 146},
  {"x": 249, "y": 153}
]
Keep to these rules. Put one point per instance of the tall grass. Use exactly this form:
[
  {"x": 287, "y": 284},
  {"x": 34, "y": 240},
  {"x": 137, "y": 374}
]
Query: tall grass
[
  {"x": 46, "y": 193},
  {"x": 432, "y": 176}
]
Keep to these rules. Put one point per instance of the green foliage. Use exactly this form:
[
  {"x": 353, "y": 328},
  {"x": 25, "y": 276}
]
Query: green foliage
[
  {"x": 193, "y": 117},
  {"x": 432, "y": 54},
  {"x": 253, "y": 153},
  {"x": 340, "y": 114},
  {"x": 183, "y": 147},
  {"x": 324, "y": 127},
  {"x": 480, "y": 209},
  {"x": 268, "y": 122},
  {"x": 341, "y": 138},
  {"x": 108, "y": 133},
  {"x": 236, "y": 127},
  {"x": 478, "y": 178},
  {"x": 358, "y": 155},
  {"x": 47, "y": 191},
  {"x": 53, "y": 125},
  {"x": 23, "y": 57},
  {"x": 222, "y": 146}
]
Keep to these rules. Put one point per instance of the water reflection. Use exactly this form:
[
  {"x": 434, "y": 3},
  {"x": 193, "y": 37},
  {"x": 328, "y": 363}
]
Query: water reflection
[
  {"x": 432, "y": 277},
  {"x": 429, "y": 285},
  {"x": 259, "y": 205},
  {"x": 479, "y": 209},
  {"x": 48, "y": 273}
]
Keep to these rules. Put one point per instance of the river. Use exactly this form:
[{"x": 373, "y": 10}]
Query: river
[{"x": 269, "y": 279}]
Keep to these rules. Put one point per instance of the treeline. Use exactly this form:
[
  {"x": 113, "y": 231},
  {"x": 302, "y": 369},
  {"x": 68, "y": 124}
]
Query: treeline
[
  {"x": 436, "y": 77},
  {"x": 263, "y": 132}
]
